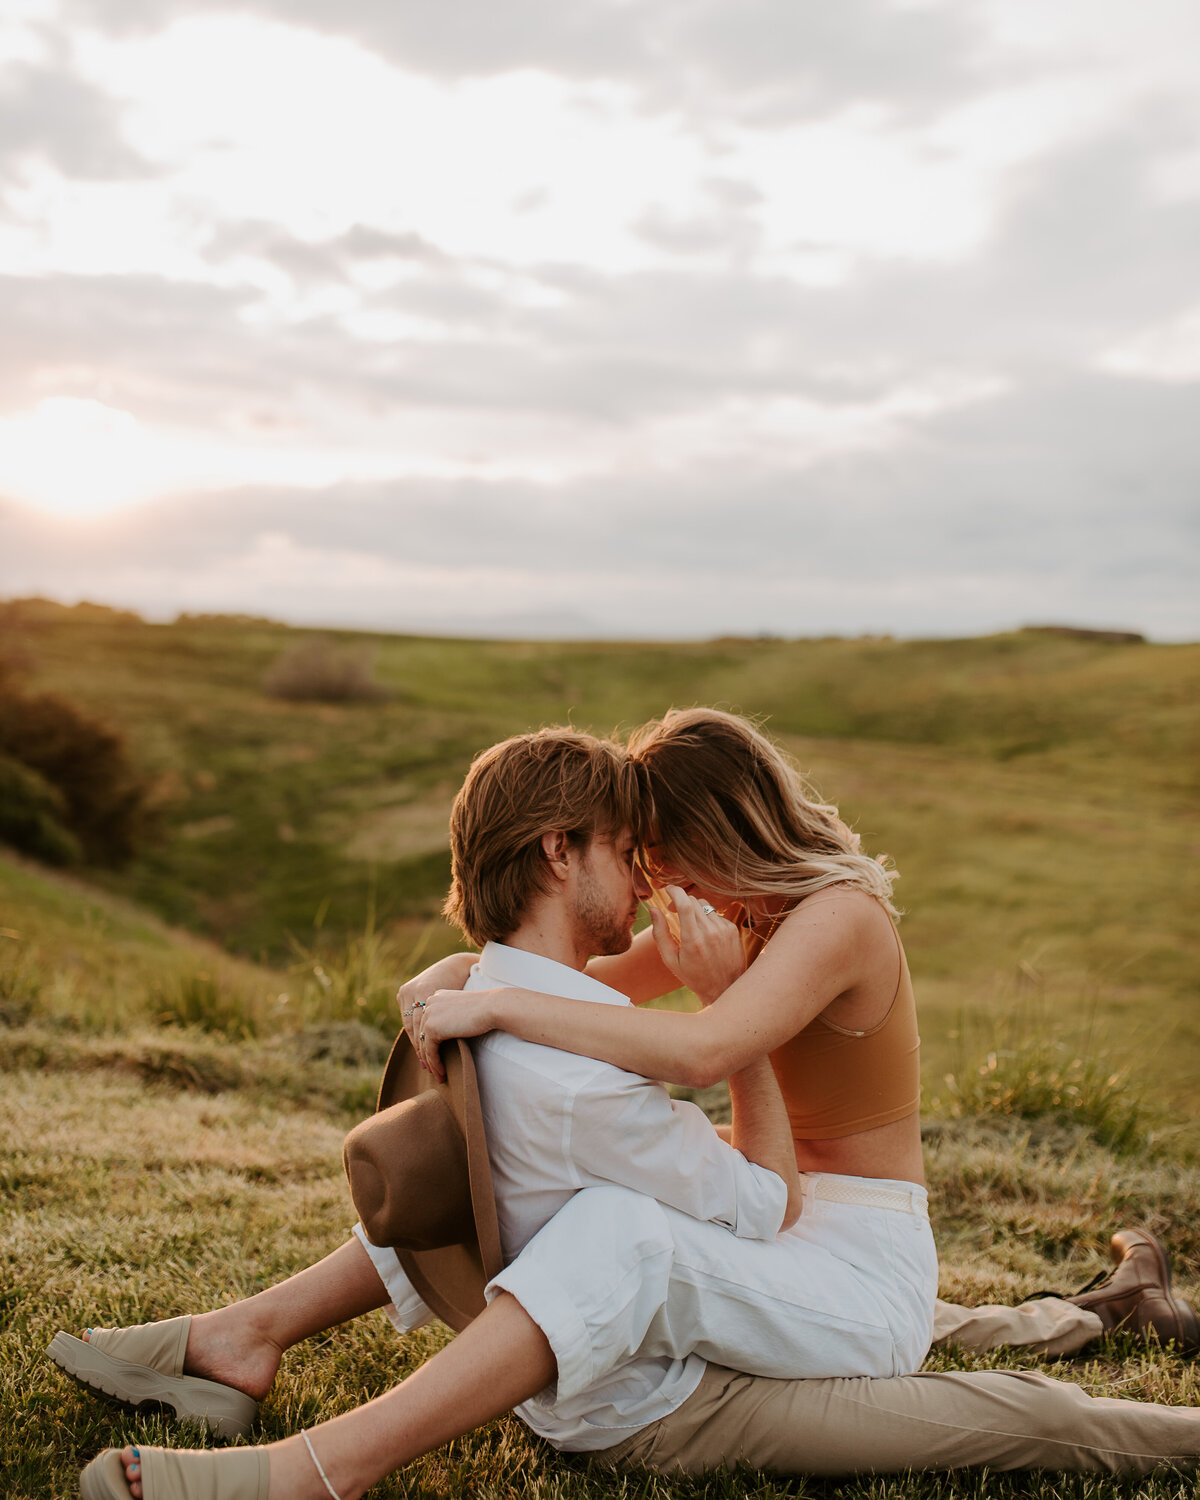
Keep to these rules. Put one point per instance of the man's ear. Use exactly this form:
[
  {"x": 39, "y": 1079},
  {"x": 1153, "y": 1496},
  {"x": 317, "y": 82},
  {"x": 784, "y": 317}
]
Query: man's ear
[{"x": 556, "y": 848}]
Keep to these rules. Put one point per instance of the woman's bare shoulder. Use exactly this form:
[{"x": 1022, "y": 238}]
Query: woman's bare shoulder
[{"x": 842, "y": 904}]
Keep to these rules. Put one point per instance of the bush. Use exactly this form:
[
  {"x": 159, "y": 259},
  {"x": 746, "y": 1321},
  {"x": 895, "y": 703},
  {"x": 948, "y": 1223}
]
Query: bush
[
  {"x": 32, "y": 815},
  {"x": 85, "y": 785},
  {"x": 317, "y": 671}
]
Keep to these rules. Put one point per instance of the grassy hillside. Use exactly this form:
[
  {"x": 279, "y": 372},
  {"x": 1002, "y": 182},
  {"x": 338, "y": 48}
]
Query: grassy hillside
[
  {"x": 183, "y": 1043},
  {"x": 151, "y": 1168},
  {"x": 1037, "y": 791}
]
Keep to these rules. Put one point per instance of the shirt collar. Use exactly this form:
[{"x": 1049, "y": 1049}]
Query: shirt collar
[{"x": 519, "y": 969}]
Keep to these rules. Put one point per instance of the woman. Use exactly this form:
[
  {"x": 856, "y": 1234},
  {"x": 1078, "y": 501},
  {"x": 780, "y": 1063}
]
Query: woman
[{"x": 756, "y": 869}]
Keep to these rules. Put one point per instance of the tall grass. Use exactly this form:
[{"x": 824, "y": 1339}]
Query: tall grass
[{"x": 1019, "y": 1064}]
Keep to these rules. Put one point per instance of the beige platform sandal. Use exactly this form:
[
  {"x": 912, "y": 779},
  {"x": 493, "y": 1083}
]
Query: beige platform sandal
[
  {"x": 181, "y": 1474},
  {"x": 145, "y": 1363}
]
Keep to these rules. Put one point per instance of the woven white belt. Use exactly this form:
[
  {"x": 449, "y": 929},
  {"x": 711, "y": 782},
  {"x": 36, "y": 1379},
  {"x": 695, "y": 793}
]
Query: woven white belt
[{"x": 845, "y": 1190}]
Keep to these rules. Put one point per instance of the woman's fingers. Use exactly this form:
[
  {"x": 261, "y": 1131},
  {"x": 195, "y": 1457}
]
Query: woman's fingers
[
  {"x": 664, "y": 939},
  {"x": 428, "y": 1040},
  {"x": 711, "y": 956}
]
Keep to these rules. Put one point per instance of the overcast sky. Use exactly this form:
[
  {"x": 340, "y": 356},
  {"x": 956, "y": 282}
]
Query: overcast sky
[{"x": 594, "y": 317}]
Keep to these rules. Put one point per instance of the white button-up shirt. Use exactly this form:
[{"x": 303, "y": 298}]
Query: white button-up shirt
[{"x": 555, "y": 1123}]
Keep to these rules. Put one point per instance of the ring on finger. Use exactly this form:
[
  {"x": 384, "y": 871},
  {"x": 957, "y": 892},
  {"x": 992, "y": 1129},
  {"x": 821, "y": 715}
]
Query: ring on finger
[
  {"x": 421, "y": 1038},
  {"x": 709, "y": 911}
]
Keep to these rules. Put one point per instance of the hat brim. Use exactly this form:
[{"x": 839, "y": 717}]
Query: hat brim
[{"x": 450, "y": 1280}]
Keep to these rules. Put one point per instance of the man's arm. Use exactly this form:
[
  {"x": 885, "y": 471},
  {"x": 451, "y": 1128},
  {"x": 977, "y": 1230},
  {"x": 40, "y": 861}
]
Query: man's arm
[{"x": 622, "y": 1129}]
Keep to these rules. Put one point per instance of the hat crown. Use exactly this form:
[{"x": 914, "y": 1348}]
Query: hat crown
[{"x": 408, "y": 1174}]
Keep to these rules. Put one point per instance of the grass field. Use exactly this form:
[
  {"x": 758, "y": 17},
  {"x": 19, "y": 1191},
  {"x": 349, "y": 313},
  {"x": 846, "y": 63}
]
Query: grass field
[{"x": 183, "y": 1043}]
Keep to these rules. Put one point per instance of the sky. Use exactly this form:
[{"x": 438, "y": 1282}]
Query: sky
[{"x": 594, "y": 318}]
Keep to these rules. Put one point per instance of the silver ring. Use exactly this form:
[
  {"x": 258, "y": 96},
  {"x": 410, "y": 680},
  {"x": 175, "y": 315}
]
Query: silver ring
[
  {"x": 421, "y": 1039},
  {"x": 420, "y": 1005},
  {"x": 709, "y": 911},
  {"x": 408, "y": 1012}
]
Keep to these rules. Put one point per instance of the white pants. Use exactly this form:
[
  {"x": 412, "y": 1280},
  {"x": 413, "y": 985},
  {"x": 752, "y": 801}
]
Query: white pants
[{"x": 848, "y": 1290}]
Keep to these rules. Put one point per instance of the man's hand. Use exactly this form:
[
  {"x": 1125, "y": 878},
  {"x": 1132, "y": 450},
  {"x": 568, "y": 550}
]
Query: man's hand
[
  {"x": 447, "y": 974},
  {"x": 709, "y": 955}
]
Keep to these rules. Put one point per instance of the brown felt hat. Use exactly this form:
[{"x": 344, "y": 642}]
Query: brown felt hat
[{"x": 421, "y": 1182}]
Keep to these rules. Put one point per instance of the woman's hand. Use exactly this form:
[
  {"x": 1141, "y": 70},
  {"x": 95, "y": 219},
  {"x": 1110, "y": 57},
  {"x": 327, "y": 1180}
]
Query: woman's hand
[
  {"x": 447, "y": 974},
  {"x": 709, "y": 955},
  {"x": 446, "y": 1014}
]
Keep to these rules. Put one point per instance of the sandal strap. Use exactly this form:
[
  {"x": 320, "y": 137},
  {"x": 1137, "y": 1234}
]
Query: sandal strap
[
  {"x": 159, "y": 1346},
  {"x": 181, "y": 1474},
  {"x": 205, "y": 1474}
]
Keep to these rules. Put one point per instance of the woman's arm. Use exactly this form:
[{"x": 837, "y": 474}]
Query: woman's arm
[
  {"x": 448, "y": 973},
  {"x": 812, "y": 958},
  {"x": 639, "y": 972},
  {"x": 762, "y": 1132}
]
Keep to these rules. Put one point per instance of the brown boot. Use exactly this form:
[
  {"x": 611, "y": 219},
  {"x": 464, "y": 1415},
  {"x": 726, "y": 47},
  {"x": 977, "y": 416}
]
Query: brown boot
[{"x": 1136, "y": 1295}]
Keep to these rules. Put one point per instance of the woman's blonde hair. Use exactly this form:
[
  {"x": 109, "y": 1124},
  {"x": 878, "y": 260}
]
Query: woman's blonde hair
[{"x": 729, "y": 809}]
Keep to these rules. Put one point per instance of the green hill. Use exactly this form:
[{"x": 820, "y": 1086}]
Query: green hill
[
  {"x": 1036, "y": 790},
  {"x": 184, "y": 1041}
]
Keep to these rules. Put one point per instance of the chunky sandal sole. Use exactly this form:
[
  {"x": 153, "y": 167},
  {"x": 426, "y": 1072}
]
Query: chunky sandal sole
[{"x": 228, "y": 1412}]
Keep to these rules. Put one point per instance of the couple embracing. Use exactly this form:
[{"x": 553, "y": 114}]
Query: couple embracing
[{"x": 641, "y": 1285}]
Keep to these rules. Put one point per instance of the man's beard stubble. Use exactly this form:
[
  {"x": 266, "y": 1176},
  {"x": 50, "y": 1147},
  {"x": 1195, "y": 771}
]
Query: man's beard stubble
[{"x": 598, "y": 926}]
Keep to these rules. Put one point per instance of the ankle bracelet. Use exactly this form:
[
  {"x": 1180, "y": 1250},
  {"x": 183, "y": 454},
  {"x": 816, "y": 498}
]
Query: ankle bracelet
[{"x": 324, "y": 1477}]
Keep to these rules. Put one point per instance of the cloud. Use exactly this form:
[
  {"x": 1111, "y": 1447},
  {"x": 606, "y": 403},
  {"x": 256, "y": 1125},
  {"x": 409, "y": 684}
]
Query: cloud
[
  {"x": 49, "y": 113},
  {"x": 758, "y": 59},
  {"x": 717, "y": 317},
  {"x": 996, "y": 511}
]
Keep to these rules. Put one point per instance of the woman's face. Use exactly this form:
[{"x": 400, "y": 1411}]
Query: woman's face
[{"x": 658, "y": 872}]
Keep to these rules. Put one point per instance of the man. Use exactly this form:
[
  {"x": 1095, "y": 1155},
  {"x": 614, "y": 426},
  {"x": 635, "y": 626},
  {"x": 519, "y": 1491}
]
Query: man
[{"x": 592, "y": 1323}]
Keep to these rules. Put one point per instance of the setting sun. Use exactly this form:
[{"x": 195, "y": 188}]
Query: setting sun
[{"x": 77, "y": 457}]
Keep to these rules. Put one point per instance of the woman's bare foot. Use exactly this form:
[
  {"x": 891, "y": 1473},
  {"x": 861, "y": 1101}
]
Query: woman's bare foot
[
  {"x": 227, "y": 1346},
  {"x": 133, "y": 1471}
]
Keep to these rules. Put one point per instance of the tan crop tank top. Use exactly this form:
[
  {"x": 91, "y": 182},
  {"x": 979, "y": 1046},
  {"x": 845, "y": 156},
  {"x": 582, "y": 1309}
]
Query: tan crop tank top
[{"x": 837, "y": 1082}]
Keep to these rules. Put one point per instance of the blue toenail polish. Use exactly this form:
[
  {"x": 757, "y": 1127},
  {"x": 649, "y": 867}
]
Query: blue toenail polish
[{"x": 136, "y": 1452}]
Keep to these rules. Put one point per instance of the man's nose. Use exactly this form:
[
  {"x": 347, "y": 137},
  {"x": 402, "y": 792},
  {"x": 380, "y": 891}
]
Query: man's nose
[{"x": 641, "y": 886}]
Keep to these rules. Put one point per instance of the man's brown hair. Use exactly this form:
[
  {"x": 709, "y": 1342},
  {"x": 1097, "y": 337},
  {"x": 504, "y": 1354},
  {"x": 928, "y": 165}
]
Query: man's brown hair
[{"x": 557, "y": 780}]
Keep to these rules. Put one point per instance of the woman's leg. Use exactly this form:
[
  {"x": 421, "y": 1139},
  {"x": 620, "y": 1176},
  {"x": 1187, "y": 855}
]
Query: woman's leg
[{"x": 501, "y": 1359}]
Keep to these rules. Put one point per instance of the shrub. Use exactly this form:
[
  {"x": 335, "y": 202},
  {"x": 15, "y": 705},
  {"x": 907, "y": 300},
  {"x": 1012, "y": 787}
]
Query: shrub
[
  {"x": 317, "y": 671},
  {"x": 85, "y": 781},
  {"x": 32, "y": 815}
]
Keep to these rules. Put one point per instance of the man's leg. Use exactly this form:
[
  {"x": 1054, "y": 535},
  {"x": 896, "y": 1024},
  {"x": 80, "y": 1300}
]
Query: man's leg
[
  {"x": 1005, "y": 1419},
  {"x": 1047, "y": 1325},
  {"x": 1135, "y": 1295}
]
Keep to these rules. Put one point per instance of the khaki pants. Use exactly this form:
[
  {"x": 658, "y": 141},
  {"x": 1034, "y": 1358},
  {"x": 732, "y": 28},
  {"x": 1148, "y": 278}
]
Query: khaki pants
[
  {"x": 1006, "y": 1419},
  {"x": 1047, "y": 1325}
]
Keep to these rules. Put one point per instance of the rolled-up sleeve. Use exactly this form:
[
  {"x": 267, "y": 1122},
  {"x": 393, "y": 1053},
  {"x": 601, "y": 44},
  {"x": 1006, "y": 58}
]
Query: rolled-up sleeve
[{"x": 636, "y": 1135}]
